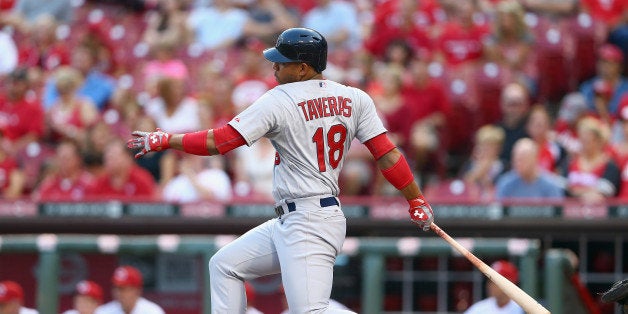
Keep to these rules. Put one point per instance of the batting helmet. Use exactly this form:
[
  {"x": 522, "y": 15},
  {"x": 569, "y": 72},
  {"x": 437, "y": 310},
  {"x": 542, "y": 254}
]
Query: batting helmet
[{"x": 300, "y": 45}]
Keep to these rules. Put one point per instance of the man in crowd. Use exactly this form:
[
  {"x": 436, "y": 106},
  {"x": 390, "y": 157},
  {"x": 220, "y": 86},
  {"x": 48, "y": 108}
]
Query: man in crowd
[
  {"x": 498, "y": 302},
  {"x": 127, "y": 294},
  {"x": 12, "y": 299}
]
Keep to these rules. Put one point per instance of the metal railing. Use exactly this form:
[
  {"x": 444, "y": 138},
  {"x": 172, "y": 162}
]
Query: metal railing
[{"x": 371, "y": 250}]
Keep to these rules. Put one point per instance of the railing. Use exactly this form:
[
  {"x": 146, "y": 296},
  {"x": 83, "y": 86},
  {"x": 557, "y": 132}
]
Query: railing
[{"x": 372, "y": 251}]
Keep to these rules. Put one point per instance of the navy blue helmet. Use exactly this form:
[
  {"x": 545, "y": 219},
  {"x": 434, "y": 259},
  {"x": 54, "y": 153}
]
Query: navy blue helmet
[{"x": 300, "y": 45}]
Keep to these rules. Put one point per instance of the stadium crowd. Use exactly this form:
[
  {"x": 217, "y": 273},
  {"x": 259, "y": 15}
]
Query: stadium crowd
[{"x": 458, "y": 83}]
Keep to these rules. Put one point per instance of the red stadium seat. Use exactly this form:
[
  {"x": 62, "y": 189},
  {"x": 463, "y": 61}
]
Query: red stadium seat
[
  {"x": 553, "y": 83},
  {"x": 583, "y": 65}
]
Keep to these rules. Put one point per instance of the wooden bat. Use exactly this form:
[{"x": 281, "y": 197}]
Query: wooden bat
[{"x": 526, "y": 302}]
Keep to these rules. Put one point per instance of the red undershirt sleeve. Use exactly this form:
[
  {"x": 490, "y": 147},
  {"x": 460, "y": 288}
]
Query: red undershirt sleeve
[
  {"x": 379, "y": 145},
  {"x": 227, "y": 138}
]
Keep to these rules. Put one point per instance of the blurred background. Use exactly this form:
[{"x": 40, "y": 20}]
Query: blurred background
[{"x": 513, "y": 115}]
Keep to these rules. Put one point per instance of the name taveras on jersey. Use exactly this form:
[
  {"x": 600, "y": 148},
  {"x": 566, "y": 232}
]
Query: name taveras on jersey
[{"x": 326, "y": 107}]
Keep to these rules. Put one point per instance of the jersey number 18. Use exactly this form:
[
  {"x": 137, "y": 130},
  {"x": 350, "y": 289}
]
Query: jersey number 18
[{"x": 336, "y": 137}]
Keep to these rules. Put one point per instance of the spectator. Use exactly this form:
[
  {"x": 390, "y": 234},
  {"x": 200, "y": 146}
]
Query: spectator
[
  {"x": 87, "y": 297},
  {"x": 620, "y": 143},
  {"x": 198, "y": 179},
  {"x": 498, "y": 301},
  {"x": 8, "y": 54},
  {"x": 172, "y": 110},
  {"x": 609, "y": 12},
  {"x": 12, "y": 177},
  {"x": 620, "y": 150},
  {"x": 96, "y": 86},
  {"x": 592, "y": 175},
  {"x": 510, "y": 44},
  {"x": 250, "y": 75},
  {"x": 338, "y": 21},
  {"x": 605, "y": 90},
  {"x": 68, "y": 179},
  {"x": 401, "y": 19},
  {"x": 253, "y": 169},
  {"x": 460, "y": 40},
  {"x": 71, "y": 115},
  {"x": 127, "y": 294},
  {"x": 485, "y": 166},
  {"x": 386, "y": 91},
  {"x": 219, "y": 25},
  {"x": 540, "y": 129},
  {"x": 28, "y": 11},
  {"x": 41, "y": 48},
  {"x": 425, "y": 108},
  {"x": 398, "y": 54},
  {"x": 573, "y": 108},
  {"x": 515, "y": 106},
  {"x": 163, "y": 65},
  {"x": 21, "y": 114},
  {"x": 122, "y": 177},
  {"x": 166, "y": 24},
  {"x": 527, "y": 179},
  {"x": 12, "y": 299},
  {"x": 268, "y": 18},
  {"x": 215, "y": 97}
]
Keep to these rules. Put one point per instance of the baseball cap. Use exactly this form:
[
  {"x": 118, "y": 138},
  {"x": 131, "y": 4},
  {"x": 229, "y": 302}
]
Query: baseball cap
[
  {"x": 10, "y": 290},
  {"x": 506, "y": 269},
  {"x": 610, "y": 52},
  {"x": 572, "y": 106},
  {"x": 90, "y": 289},
  {"x": 127, "y": 276}
]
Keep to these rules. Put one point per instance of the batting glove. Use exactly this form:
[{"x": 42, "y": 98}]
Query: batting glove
[
  {"x": 421, "y": 213},
  {"x": 149, "y": 141}
]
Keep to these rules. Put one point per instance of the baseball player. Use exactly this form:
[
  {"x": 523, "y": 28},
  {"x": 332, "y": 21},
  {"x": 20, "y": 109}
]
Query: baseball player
[
  {"x": 311, "y": 122},
  {"x": 12, "y": 299},
  {"x": 127, "y": 293},
  {"x": 87, "y": 297},
  {"x": 498, "y": 302}
]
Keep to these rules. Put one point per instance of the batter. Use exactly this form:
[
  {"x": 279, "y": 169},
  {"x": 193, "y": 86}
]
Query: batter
[{"x": 311, "y": 122}]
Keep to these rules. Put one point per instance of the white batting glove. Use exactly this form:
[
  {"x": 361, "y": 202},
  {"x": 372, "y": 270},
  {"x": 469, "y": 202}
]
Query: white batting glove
[
  {"x": 421, "y": 213},
  {"x": 149, "y": 141}
]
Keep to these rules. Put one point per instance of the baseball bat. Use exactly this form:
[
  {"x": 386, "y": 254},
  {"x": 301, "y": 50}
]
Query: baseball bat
[{"x": 515, "y": 293}]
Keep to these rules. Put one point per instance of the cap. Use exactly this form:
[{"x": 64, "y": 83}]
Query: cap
[
  {"x": 572, "y": 106},
  {"x": 610, "y": 52},
  {"x": 10, "y": 290},
  {"x": 90, "y": 289},
  {"x": 506, "y": 269},
  {"x": 127, "y": 276}
]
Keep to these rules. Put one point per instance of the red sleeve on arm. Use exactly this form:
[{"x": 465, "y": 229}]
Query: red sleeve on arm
[
  {"x": 227, "y": 138},
  {"x": 379, "y": 145}
]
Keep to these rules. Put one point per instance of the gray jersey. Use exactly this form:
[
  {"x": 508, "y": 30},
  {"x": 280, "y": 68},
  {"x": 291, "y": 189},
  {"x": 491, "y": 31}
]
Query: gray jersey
[{"x": 311, "y": 125}]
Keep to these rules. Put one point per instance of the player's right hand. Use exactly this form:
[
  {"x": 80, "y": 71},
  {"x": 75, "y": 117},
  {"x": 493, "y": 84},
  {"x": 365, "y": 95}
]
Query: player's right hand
[
  {"x": 149, "y": 141},
  {"x": 421, "y": 213}
]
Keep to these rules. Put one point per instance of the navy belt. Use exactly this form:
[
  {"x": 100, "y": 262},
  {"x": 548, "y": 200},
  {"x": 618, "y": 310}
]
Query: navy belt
[{"x": 324, "y": 202}]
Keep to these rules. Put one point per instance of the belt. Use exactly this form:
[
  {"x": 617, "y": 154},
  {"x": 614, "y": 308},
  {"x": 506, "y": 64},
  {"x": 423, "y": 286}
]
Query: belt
[{"x": 324, "y": 202}]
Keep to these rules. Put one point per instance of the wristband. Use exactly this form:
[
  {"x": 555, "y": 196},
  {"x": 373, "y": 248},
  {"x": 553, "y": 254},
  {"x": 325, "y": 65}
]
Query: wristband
[
  {"x": 399, "y": 175},
  {"x": 196, "y": 143}
]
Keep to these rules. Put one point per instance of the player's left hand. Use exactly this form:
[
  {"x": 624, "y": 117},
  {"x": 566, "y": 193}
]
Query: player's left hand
[
  {"x": 149, "y": 141},
  {"x": 421, "y": 213}
]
